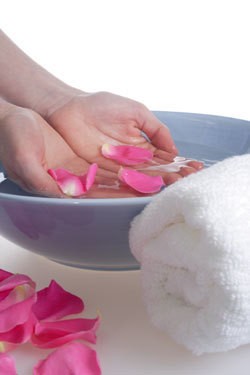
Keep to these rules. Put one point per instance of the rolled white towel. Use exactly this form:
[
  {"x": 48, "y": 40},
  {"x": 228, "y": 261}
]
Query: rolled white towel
[{"x": 193, "y": 243}]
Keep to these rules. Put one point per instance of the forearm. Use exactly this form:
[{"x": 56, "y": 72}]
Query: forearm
[{"x": 25, "y": 83}]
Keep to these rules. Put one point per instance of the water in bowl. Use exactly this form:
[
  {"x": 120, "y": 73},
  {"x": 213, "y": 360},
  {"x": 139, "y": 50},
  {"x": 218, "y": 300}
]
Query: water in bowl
[{"x": 208, "y": 155}]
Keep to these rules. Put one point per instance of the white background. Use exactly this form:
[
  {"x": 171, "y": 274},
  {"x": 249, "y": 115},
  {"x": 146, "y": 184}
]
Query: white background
[
  {"x": 191, "y": 56},
  {"x": 176, "y": 55}
]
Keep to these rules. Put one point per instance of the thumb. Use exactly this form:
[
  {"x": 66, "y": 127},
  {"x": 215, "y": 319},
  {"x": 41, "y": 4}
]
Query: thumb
[
  {"x": 34, "y": 179},
  {"x": 157, "y": 132}
]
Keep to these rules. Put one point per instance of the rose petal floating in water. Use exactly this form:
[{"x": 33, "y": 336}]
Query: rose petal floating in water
[
  {"x": 71, "y": 359},
  {"x": 141, "y": 182},
  {"x": 71, "y": 184},
  {"x": 127, "y": 155}
]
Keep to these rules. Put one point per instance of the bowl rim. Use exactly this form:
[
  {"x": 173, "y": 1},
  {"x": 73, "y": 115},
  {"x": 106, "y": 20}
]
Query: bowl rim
[{"x": 76, "y": 201}]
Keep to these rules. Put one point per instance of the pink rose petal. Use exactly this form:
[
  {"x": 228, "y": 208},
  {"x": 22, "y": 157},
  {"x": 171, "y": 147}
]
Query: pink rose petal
[
  {"x": 59, "y": 173},
  {"x": 19, "y": 334},
  {"x": 15, "y": 314},
  {"x": 21, "y": 308},
  {"x": 141, "y": 182},
  {"x": 4, "y": 274},
  {"x": 16, "y": 306},
  {"x": 54, "y": 302},
  {"x": 7, "y": 365},
  {"x": 6, "y": 347},
  {"x": 15, "y": 280},
  {"x": 71, "y": 359},
  {"x": 71, "y": 184},
  {"x": 53, "y": 334},
  {"x": 89, "y": 178},
  {"x": 127, "y": 155},
  {"x": 4, "y": 294}
]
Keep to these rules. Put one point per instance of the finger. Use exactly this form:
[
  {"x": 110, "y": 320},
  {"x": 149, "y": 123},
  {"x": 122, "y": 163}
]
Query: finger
[
  {"x": 14, "y": 178},
  {"x": 34, "y": 179},
  {"x": 157, "y": 132},
  {"x": 170, "y": 178},
  {"x": 196, "y": 164},
  {"x": 106, "y": 181},
  {"x": 79, "y": 167},
  {"x": 110, "y": 168},
  {"x": 164, "y": 155},
  {"x": 186, "y": 171}
]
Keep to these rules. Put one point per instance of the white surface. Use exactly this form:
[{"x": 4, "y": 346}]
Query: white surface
[
  {"x": 176, "y": 55},
  {"x": 127, "y": 343}
]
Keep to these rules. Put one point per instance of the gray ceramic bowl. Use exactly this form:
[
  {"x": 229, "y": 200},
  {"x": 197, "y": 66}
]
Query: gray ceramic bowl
[{"x": 93, "y": 233}]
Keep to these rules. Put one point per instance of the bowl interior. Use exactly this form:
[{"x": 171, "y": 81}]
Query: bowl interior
[{"x": 207, "y": 138}]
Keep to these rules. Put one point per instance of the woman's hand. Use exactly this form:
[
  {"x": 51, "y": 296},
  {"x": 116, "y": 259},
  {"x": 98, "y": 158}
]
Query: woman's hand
[
  {"x": 29, "y": 146},
  {"x": 87, "y": 121},
  {"x": 80, "y": 124}
]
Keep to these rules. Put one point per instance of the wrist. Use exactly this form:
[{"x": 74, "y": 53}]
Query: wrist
[
  {"x": 26, "y": 84},
  {"x": 51, "y": 97}
]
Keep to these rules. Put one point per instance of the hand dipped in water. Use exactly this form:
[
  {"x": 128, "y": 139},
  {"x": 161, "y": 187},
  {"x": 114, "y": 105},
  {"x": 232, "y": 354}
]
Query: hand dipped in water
[{"x": 87, "y": 121}]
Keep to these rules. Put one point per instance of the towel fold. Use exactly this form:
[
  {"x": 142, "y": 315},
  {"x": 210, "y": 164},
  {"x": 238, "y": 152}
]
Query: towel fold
[{"x": 193, "y": 244}]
